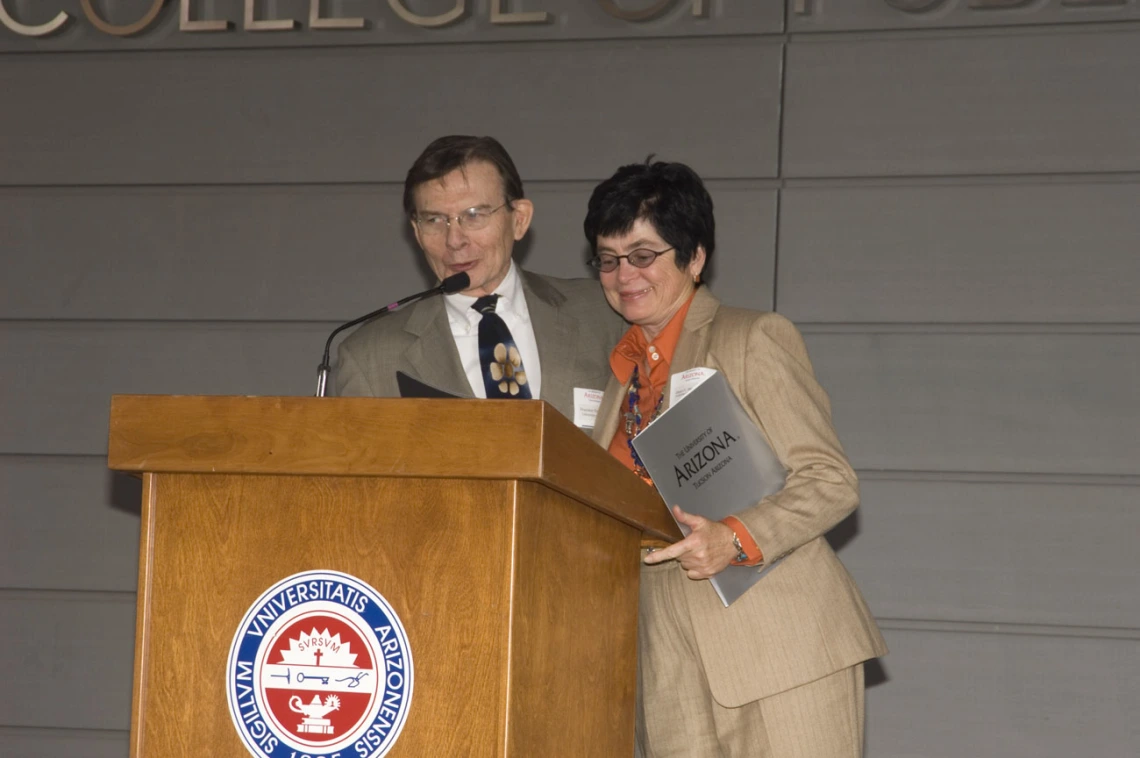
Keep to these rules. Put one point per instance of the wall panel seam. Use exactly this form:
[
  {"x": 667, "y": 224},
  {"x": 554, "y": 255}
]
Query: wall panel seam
[
  {"x": 965, "y": 31},
  {"x": 999, "y": 477},
  {"x": 904, "y": 624},
  {"x": 758, "y": 183},
  {"x": 976, "y": 328},
  {"x": 871, "y": 34},
  {"x": 54, "y": 457},
  {"x": 418, "y": 46},
  {"x": 67, "y": 596},
  {"x": 781, "y": 113},
  {"x": 1042, "y": 179},
  {"x": 40, "y": 731},
  {"x": 1007, "y": 629},
  {"x": 805, "y": 326},
  {"x": 865, "y": 474}
]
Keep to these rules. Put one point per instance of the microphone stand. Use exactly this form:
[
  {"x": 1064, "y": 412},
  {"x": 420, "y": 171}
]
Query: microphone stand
[{"x": 455, "y": 283}]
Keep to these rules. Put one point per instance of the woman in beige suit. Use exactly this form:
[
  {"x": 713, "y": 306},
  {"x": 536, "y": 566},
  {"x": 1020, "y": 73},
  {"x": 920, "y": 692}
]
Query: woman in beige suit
[{"x": 779, "y": 672}]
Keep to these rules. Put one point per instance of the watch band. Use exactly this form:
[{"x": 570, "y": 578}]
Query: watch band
[{"x": 741, "y": 556}]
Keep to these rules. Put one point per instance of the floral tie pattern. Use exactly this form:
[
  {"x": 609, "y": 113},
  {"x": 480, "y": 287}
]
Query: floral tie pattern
[
  {"x": 507, "y": 370},
  {"x": 503, "y": 372}
]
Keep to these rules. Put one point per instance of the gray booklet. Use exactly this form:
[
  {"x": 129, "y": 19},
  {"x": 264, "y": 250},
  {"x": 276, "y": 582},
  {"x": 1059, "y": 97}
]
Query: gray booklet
[{"x": 705, "y": 455}]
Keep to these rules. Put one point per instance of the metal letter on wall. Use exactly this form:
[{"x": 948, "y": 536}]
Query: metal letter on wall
[
  {"x": 266, "y": 24},
  {"x": 611, "y": 7},
  {"x": 915, "y": 6},
  {"x": 27, "y": 30},
  {"x": 499, "y": 16},
  {"x": 125, "y": 30},
  {"x": 186, "y": 24},
  {"x": 442, "y": 19},
  {"x": 986, "y": 5},
  {"x": 317, "y": 21}
]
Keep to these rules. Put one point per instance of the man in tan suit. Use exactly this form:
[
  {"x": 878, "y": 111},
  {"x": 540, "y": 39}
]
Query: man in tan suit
[
  {"x": 779, "y": 672},
  {"x": 464, "y": 199}
]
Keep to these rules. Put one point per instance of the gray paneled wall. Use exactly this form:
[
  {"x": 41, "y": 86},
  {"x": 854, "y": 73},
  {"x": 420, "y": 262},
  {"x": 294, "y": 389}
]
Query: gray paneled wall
[
  {"x": 232, "y": 116},
  {"x": 1030, "y": 251},
  {"x": 1033, "y": 102},
  {"x": 279, "y": 252},
  {"x": 944, "y": 199},
  {"x": 957, "y": 237}
]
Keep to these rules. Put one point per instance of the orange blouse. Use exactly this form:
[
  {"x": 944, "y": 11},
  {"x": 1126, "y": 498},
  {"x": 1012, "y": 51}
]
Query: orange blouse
[{"x": 652, "y": 362}]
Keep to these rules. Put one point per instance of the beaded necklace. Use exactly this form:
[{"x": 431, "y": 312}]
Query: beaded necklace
[{"x": 633, "y": 420}]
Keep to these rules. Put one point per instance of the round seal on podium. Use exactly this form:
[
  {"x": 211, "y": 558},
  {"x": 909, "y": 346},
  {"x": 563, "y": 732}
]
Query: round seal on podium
[{"x": 319, "y": 666}]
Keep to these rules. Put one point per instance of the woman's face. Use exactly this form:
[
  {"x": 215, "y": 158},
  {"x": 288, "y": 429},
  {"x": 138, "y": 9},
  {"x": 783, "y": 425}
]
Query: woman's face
[{"x": 647, "y": 296}]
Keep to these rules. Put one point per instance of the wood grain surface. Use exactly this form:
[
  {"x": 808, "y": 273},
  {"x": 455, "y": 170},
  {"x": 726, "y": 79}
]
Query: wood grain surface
[
  {"x": 499, "y": 439},
  {"x": 438, "y": 551},
  {"x": 573, "y": 630}
]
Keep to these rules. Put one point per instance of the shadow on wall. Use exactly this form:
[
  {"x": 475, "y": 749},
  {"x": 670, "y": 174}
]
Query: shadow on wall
[
  {"x": 124, "y": 492},
  {"x": 839, "y": 537},
  {"x": 874, "y": 673},
  {"x": 845, "y": 531}
]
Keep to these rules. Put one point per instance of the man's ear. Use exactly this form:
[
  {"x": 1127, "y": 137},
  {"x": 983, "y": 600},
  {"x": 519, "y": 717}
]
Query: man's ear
[
  {"x": 416, "y": 232},
  {"x": 522, "y": 215}
]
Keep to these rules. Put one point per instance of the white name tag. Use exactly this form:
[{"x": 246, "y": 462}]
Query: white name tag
[
  {"x": 586, "y": 405},
  {"x": 683, "y": 383}
]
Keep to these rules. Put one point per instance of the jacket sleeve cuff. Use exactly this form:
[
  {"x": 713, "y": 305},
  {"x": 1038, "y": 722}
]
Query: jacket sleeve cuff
[{"x": 747, "y": 544}]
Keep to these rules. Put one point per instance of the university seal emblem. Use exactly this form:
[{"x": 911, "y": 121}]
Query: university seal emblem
[{"x": 319, "y": 668}]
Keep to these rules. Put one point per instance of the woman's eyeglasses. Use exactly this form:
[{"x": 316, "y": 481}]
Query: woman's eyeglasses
[{"x": 641, "y": 258}]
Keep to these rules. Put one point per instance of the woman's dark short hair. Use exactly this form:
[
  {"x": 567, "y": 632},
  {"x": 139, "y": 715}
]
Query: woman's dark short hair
[
  {"x": 668, "y": 195},
  {"x": 455, "y": 151}
]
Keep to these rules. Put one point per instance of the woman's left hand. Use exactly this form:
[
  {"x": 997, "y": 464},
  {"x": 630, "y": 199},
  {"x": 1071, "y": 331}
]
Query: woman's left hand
[{"x": 704, "y": 553}]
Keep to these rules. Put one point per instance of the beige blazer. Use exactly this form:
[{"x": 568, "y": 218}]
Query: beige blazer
[
  {"x": 806, "y": 619},
  {"x": 573, "y": 325}
]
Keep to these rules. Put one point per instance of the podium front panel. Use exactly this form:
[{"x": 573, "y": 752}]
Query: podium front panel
[
  {"x": 519, "y": 605},
  {"x": 437, "y": 550}
]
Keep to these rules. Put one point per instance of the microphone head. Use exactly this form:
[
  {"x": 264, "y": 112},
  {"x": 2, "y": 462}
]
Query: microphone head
[{"x": 455, "y": 283}]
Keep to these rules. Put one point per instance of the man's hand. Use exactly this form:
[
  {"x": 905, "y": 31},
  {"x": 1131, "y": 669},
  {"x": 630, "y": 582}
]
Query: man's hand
[{"x": 704, "y": 553}]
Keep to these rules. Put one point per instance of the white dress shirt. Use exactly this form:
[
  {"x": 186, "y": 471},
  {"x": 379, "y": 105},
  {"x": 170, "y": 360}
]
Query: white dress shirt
[{"x": 511, "y": 307}]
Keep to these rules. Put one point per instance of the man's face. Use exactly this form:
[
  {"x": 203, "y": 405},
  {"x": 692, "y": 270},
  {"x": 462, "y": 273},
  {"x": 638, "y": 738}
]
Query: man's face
[{"x": 485, "y": 254}]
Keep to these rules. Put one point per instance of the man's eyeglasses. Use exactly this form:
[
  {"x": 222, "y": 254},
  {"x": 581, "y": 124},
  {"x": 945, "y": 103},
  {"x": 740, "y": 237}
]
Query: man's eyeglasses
[
  {"x": 470, "y": 220},
  {"x": 641, "y": 258}
]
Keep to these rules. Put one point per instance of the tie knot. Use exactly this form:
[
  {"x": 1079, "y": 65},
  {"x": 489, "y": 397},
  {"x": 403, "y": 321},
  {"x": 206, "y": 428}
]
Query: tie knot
[{"x": 486, "y": 304}]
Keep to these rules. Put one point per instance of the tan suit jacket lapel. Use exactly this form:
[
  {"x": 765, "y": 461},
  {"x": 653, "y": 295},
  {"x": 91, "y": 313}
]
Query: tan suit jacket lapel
[
  {"x": 433, "y": 355},
  {"x": 609, "y": 413},
  {"x": 693, "y": 346},
  {"x": 556, "y": 334}
]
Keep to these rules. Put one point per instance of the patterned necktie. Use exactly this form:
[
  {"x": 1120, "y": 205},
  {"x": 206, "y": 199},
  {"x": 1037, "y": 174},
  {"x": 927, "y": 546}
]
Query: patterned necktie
[{"x": 503, "y": 374}]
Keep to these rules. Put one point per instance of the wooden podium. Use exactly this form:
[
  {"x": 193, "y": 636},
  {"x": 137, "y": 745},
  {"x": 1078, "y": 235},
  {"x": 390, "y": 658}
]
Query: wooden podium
[{"x": 505, "y": 541}]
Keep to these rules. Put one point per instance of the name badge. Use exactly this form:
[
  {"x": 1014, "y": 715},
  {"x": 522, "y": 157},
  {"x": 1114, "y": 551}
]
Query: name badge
[
  {"x": 586, "y": 405},
  {"x": 683, "y": 383}
]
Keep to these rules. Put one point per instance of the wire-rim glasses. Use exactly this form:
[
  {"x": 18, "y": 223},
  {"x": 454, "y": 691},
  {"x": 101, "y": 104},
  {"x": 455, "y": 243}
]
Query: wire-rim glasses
[
  {"x": 640, "y": 258},
  {"x": 470, "y": 220}
]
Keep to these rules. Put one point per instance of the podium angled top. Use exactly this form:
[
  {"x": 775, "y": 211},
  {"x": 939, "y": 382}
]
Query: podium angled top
[{"x": 379, "y": 437}]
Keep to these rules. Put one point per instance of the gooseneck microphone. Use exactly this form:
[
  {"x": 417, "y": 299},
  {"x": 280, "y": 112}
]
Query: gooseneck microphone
[{"x": 455, "y": 283}]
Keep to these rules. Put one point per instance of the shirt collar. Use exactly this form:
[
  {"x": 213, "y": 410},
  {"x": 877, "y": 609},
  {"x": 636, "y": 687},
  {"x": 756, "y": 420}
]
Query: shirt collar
[
  {"x": 635, "y": 350},
  {"x": 511, "y": 298}
]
